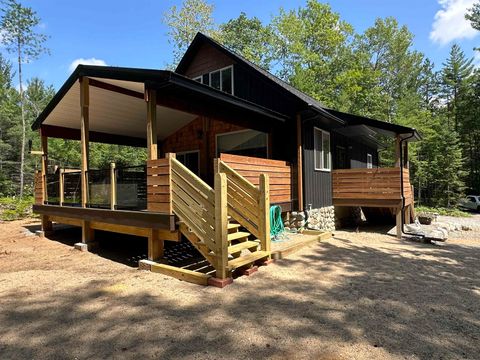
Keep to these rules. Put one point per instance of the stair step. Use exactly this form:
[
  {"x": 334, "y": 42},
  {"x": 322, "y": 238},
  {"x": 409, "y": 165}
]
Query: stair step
[
  {"x": 247, "y": 259},
  {"x": 238, "y": 235},
  {"x": 233, "y": 226},
  {"x": 242, "y": 246}
]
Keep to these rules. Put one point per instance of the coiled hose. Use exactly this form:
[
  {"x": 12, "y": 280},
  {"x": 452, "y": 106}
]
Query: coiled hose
[{"x": 276, "y": 222}]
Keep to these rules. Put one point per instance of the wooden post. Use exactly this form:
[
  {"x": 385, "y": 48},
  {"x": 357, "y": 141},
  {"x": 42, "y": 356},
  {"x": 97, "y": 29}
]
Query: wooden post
[
  {"x": 299, "y": 163},
  {"x": 88, "y": 234},
  {"x": 151, "y": 99},
  {"x": 155, "y": 245},
  {"x": 170, "y": 156},
  {"x": 221, "y": 222},
  {"x": 84, "y": 136},
  {"x": 44, "y": 171},
  {"x": 399, "y": 222},
  {"x": 113, "y": 187},
  {"x": 61, "y": 186},
  {"x": 406, "y": 162},
  {"x": 264, "y": 215},
  {"x": 398, "y": 152}
]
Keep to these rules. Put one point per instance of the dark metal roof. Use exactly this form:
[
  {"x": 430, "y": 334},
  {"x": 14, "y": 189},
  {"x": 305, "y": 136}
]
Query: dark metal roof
[{"x": 158, "y": 79}]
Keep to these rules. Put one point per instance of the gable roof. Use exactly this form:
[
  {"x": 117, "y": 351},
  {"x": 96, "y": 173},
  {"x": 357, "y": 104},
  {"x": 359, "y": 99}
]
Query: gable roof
[{"x": 342, "y": 118}]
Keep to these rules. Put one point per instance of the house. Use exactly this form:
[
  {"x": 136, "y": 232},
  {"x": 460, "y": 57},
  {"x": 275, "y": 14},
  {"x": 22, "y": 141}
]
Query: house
[{"x": 225, "y": 140}]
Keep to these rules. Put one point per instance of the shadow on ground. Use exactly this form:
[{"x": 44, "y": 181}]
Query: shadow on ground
[{"x": 408, "y": 300}]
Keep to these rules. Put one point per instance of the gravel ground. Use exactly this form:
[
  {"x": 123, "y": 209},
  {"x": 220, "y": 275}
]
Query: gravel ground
[{"x": 361, "y": 295}]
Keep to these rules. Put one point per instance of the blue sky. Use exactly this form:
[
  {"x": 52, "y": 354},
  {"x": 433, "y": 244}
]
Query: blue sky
[{"x": 130, "y": 33}]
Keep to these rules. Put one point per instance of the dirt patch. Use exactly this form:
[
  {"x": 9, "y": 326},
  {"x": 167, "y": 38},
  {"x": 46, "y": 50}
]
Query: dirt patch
[{"x": 358, "y": 296}]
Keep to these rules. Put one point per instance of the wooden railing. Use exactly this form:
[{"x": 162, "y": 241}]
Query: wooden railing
[
  {"x": 247, "y": 203},
  {"x": 279, "y": 172},
  {"x": 38, "y": 187},
  {"x": 370, "y": 187}
]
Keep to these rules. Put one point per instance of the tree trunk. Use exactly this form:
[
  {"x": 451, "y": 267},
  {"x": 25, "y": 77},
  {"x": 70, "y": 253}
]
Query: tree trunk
[{"x": 22, "y": 150}]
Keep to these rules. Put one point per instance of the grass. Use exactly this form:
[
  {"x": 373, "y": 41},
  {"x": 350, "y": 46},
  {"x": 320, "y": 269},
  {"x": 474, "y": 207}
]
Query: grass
[
  {"x": 442, "y": 211},
  {"x": 12, "y": 208}
]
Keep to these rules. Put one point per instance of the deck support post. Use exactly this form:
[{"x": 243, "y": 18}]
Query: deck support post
[
  {"x": 155, "y": 245},
  {"x": 399, "y": 222},
  {"x": 299, "y": 163},
  {"x": 88, "y": 234},
  {"x": 264, "y": 212},
  {"x": 84, "y": 136},
  {"x": 221, "y": 222}
]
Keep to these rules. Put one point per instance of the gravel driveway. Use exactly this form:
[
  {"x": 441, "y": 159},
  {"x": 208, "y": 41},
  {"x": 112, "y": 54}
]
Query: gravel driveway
[{"x": 358, "y": 296}]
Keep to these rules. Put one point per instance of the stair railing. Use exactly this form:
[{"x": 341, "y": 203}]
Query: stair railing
[
  {"x": 202, "y": 209},
  {"x": 248, "y": 204}
]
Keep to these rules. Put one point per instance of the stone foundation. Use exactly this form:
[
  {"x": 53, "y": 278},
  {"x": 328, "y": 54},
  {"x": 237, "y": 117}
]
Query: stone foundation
[{"x": 315, "y": 219}]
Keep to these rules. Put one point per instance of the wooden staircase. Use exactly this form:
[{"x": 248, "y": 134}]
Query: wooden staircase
[{"x": 227, "y": 224}]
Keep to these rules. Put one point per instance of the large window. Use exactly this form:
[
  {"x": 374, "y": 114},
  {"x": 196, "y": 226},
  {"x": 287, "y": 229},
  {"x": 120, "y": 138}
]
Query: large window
[
  {"x": 245, "y": 142},
  {"x": 221, "y": 79},
  {"x": 191, "y": 159},
  {"x": 321, "y": 151}
]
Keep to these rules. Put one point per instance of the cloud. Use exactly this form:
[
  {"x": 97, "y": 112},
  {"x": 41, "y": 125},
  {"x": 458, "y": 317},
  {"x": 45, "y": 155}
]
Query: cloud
[
  {"x": 90, "y": 61},
  {"x": 450, "y": 24}
]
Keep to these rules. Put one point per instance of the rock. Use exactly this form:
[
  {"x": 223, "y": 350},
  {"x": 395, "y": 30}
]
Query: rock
[
  {"x": 437, "y": 235},
  {"x": 466, "y": 228}
]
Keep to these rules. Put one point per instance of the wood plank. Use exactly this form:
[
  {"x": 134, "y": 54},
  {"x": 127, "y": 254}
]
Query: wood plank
[
  {"x": 84, "y": 138},
  {"x": 247, "y": 259},
  {"x": 163, "y": 162},
  {"x": 151, "y": 99},
  {"x": 264, "y": 212},
  {"x": 181, "y": 274},
  {"x": 230, "y": 158},
  {"x": 162, "y": 180},
  {"x": 221, "y": 222},
  {"x": 65, "y": 220}
]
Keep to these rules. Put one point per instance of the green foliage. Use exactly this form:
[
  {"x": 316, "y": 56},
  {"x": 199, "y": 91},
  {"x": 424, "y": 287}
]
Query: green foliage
[
  {"x": 442, "y": 211},
  {"x": 250, "y": 38},
  {"x": 193, "y": 16},
  {"x": 473, "y": 15},
  {"x": 12, "y": 208}
]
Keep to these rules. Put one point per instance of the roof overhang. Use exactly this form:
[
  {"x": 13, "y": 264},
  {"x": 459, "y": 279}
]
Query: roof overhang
[{"x": 117, "y": 108}]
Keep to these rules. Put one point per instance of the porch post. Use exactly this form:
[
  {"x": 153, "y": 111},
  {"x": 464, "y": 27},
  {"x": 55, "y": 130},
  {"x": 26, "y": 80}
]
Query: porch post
[
  {"x": 398, "y": 164},
  {"x": 299, "y": 163},
  {"x": 46, "y": 223},
  {"x": 84, "y": 136},
  {"x": 152, "y": 148}
]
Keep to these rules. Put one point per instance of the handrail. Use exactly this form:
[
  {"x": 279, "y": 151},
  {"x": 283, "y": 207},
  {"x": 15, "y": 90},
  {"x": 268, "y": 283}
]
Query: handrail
[{"x": 248, "y": 204}]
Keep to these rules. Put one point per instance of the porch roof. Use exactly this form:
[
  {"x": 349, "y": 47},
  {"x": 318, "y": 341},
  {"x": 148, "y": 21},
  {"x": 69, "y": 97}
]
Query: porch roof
[{"x": 118, "y": 110}]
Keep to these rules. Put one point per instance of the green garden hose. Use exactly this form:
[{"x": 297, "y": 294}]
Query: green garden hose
[{"x": 276, "y": 222}]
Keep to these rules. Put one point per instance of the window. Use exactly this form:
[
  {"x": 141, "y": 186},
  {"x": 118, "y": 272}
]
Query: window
[
  {"x": 191, "y": 159},
  {"x": 221, "y": 79},
  {"x": 244, "y": 142},
  {"x": 321, "y": 151},
  {"x": 369, "y": 161}
]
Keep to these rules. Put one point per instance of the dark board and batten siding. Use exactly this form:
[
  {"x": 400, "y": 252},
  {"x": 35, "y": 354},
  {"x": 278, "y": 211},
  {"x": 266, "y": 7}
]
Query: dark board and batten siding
[
  {"x": 356, "y": 152},
  {"x": 317, "y": 184}
]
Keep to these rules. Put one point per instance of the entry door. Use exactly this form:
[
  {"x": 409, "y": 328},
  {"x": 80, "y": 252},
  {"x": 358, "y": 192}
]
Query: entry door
[
  {"x": 191, "y": 159},
  {"x": 341, "y": 158}
]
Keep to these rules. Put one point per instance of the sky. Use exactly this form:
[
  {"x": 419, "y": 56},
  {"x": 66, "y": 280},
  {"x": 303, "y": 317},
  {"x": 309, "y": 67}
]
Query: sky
[{"x": 131, "y": 33}]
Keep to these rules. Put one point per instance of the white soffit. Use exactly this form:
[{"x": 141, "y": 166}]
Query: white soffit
[{"x": 115, "y": 113}]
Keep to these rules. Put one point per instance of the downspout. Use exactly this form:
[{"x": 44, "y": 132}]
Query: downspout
[{"x": 402, "y": 187}]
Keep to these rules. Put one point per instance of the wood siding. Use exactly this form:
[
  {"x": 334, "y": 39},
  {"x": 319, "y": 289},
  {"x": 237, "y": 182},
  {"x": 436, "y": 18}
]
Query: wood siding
[
  {"x": 206, "y": 60},
  {"x": 317, "y": 184}
]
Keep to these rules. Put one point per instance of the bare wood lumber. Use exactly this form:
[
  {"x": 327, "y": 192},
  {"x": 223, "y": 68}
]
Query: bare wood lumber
[
  {"x": 84, "y": 137},
  {"x": 181, "y": 274},
  {"x": 151, "y": 99},
  {"x": 264, "y": 213},
  {"x": 221, "y": 221},
  {"x": 155, "y": 245}
]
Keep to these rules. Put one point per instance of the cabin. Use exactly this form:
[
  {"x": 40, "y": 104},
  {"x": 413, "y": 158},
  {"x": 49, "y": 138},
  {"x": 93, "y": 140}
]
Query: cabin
[{"x": 225, "y": 140}]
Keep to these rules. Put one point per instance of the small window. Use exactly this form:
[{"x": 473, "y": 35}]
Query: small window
[
  {"x": 369, "y": 161},
  {"x": 199, "y": 79},
  {"x": 215, "y": 80},
  {"x": 206, "y": 79},
  {"x": 227, "y": 83},
  {"x": 246, "y": 142},
  {"x": 322, "y": 156},
  {"x": 191, "y": 159}
]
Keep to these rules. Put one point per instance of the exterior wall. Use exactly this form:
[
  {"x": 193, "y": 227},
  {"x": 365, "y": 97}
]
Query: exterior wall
[
  {"x": 315, "y": 219},
  {"x": 206, "y": 60},
  {"x": 317, "y": 184},
  {"x": 200, "y": 134}
]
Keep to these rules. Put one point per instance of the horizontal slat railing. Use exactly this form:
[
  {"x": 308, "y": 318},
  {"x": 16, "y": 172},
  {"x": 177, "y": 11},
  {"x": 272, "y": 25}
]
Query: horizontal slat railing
[
  {"x": 370, "y": 184},
  {"x": 278, "y": 171},
  {"x": 194, "y": 202}
]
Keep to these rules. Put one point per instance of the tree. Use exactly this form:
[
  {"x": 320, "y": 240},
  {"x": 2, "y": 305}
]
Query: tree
[
  {"x": 473, "y": 15},
  {"x": 184, "y": 23},
  {"x": 18, "y": 25},
  {"x": 249, "y": 38},
  {"x": 456, "y": 73}
]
